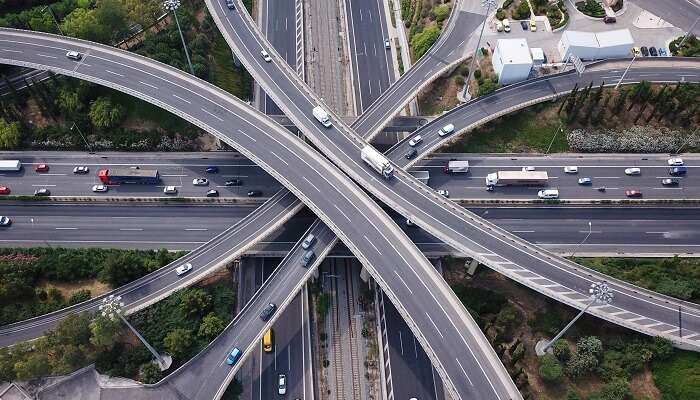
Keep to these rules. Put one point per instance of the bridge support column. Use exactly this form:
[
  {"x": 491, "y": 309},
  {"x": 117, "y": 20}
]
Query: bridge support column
[{"x": 365, "y": 276}]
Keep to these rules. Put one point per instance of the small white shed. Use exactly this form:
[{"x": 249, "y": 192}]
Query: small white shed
[{"x": 511, "y": 60}]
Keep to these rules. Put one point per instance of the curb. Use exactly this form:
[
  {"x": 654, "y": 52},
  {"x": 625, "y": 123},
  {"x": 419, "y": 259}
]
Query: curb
[{"x": 117, "y": 199}]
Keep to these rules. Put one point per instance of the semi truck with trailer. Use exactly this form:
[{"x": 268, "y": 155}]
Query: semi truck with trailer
[
  {"x": 517, "y": 178},
  {"x": 322, "y": 116},
  {"x": 119, "y": 176},
  {"x": 377, "y": 161},
  {"x": 456, "y": 167},
  {"x": 10, "y": 165}
]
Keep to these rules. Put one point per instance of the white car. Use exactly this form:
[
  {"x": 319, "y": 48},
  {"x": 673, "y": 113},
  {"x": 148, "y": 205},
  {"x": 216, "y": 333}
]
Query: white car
[
  {"x": 282, "y": 384},
  {"x": 100, "y": 188},
  {"x": 548, "y": 194},
  {"x": 183, "y": 269},
  {"x": 200, "y": 182},
  {"x": 446, "y": 130},
  {"x": 81, "y": 170},
  {"x": 415, "y": 141},
  {"x": 74, "y": 55},
  {"x": 170, "y": 190},
  {"x": 571, "y": 170},
  {"x": 444, "y": 193},
  {"x": 528, "y": 169},
  {"x": 5, "y": 221},
  {"x": 675, "y": 162},
  {"x": 265, "y": 56},
  {"x": 633, "y": 171}
]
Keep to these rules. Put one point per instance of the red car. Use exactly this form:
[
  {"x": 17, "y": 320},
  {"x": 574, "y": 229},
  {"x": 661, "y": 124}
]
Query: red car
[
  {"x": 42, "y": 168},
  {"x": 633, "y": 193},
  {"x": 4, "y": 190}
]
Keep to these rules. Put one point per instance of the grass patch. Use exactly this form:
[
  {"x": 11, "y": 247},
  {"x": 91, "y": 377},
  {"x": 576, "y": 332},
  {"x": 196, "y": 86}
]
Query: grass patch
[
  {"x": 678, "y": 378},
  {"x": 225, "y": 74},
  {"x": 525, "y": 131}
]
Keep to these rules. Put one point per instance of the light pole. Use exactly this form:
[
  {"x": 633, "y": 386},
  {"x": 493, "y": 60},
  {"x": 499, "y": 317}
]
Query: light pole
[
  {"x": 689, "y": 32},
  {"x": 173, "y": 5},
  {"x": 625, "y": 73},
  {"x": 54, "y": 18},
  {"x": 112, "y": 306},
  {"x": 599, "y": 293},
  {"x": 488, "y": 4},
  {"x": 686, "y": 140},
  {"x": 81, "y": 135},
  {"x": 559, "y": 129},
  {"x": 590, "y": 227}
]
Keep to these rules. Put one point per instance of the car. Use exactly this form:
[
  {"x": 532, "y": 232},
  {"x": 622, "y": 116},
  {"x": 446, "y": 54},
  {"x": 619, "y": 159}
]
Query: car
[
  {"x": 387, "y": 44},
  {"x": 499, "y": 26},
  {"x": 74, "y": 55},
  {"x": 528, "y": 169},
  {"x": 506, "y": 25},
  {"x": 233, "y": 182},
  {"x": 282, "y": 384},
  {"x": 233, "y": 356},
  {"x": 230, "y": 4},
  {"x": 255, "y": 193},
  {"x": 4, "y": 190},
  {"x": 170, "y": 190},
  {"x": 633, "y": 193},
  {"x": 410, "y": 223},
  {"x": 307, "y": 258},
  {"x": 268, "y": 311},
  {"x": 609, "y": 20},
  {"x": 5, "y": 221},
  {"x": 200, "y": 182},
  {"x": 636, "y": 51},
  {"x": 135, "y": 167},
  {"x": 585, "y": 181},
  {"x": 265, "y": 56},
  {"x": 212, "y": 170},
  {"x": 523, "y": 24},
  {"x": 670, "y": 182},
  {"x": 662, "y": 52},
  {"x": 533, "y": 25},
  {"x": 446, "y": 130},
  {"x": 212, "y": 193},
  {"x": 677, "y": 171},
  {"x": 42, "y": 168},
  {"x": 653, "y": 52},
  {"x": 100, "y": 188},
  {"x": 444, "y": 193},
  {"x": 42, "y": 192},
  {"x": 645, "y": 51},
  {"x": 633, "y": 171},
  {"x": 415, "y": 141},
  {"x": 571, "y": 170},
  {"x": 548, "y": 194},
  {"x": 183, "y": 269},
  {"x": 410, "y": 154},
  {"x": 309, "y": 241},
  {"x": 81, "y": 170},
  {"x": 675, "y": 162}
]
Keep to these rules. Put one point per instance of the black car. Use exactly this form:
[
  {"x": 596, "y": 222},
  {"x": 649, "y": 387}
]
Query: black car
[
  {"x": 254, "y": 193},
  {"x": 234, "y": 182},
  {"x": 523, "y": 24},
  {"x": 268, "y": 311},
  {"x": 653, "y": 52},
  {"x": 411, "y": 153},
  {"x": 213, "y": 193},
  {"x": 676, "y": 171},
  {"x": 645, "y": 51},
  {"x": 230, "y": 4},
  {"x": 212, "y": 170},
  {"x": 42, "y": 192}
]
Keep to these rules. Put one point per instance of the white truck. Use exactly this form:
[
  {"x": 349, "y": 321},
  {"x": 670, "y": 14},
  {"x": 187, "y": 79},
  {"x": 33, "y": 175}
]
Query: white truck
[
  {"x": 322, "y": 116},
  {"x": 455, "y": 167},
  {"x": 517, "y": 178},
  {"x": 10, "y": 165},
  {"x": 377, "y": 161},
  {"x": 422, "y": 176}
]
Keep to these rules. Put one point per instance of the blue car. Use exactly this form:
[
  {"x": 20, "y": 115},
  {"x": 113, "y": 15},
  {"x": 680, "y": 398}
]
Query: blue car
[
  {"x": 675, "y": 171},
  {"x": 212, "y": 170},
  {"x": 233, "y": 356},
  {"x": 584, "y": 181}
]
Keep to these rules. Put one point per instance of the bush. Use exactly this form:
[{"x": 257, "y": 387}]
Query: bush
[
  {"x": 591, "y": 8},
  {"x": 440, "y": 13},
  {"x": 589, "y": 345},
  {"x": 477, "y": 74},
  {"x": 677, "y": 378},
  {"x": 617, "y": 390},
  {"x": 561, "y": 350},
  {"x": 459, "y": 80},
  {"x": 581, "y": 364},
  {"x": 150, "y": 373},
  {"x": 500, "y": 14},
  {"x": 421, "y": 42},
  {"x": 523, "y": 10},
  {"x": 488, "y": 86},
  {"x": 79, "y": 297},
  {"x": 550, "y": 370}
]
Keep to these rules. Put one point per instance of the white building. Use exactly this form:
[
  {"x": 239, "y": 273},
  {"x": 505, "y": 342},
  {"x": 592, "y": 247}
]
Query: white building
[
  {"x": 595, "y": 46},
  {"x": 511, "y": 60},
  {"x": 537, "y": 56}
]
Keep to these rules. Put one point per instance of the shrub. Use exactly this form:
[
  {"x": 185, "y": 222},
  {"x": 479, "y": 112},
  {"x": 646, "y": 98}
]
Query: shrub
[
  {"x": 477, "y": 74},
  {"x": 522, "y": 11},
  {"x": 421, "y": 42},
  {"x": 149, "y": 373},
  {"x": 500, "y": 14},
  {"x": 79, "y": 297},
  {"x": 589, "y": 345},
  {"x": 561, "y": 350},
  {"x": 550, "y": 370},
  {"x": 581, "y": 364},
  {"x": 178, "y": 342},
  {"x": 440, "y": 13},
  {"x": 487, "y": 86},
  {"x": 616, "y": 390},
  {"x": 459, "y": 80}
]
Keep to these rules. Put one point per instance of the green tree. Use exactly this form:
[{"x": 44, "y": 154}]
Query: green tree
[
  {"x": 83, "y": 23},
  {"x": 111, "y": 15},
  {"x": 142, "y": 11},
  {"x": 589, "y": 345},
  {"x": 104, "y": 331},
  {"x": 150, "y": 373},
  {"x": 550, "y": 370},
  {"x": 488, "y": 86},
  {"x": 34, "y": 366},
  {"x": 561, "y": 350},
  {"x": 421, "y": 42},
  {"x": 440, "y": 13},
  {"x": 74, "y": 329},
  {"x": 69, "y": 101},
  {"x": 79, "y": 297},
  {"x": 122, "y": 269},
  {"x": 194, "y": 302},
  {"x": 581, "y": 364},
  {"x": 619, "y": 389},
  {"x": 210, "y": 327},
  {"x": 105, "y": 114},
  {"x": 9, "y": 135},
  {"x": 178, "y": 342}
]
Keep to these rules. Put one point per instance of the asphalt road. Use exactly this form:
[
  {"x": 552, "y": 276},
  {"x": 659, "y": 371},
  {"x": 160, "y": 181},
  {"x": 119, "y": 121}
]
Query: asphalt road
[
  {"x": 681, "y": 13},
  {"x": 279, "y": 26}
]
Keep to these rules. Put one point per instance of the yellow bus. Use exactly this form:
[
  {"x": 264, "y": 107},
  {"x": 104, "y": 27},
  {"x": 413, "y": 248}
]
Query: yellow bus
[{"x": 268, "y": 341}]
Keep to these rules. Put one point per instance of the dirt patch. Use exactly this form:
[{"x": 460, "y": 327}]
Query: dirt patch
[
  {"x": 67, "y": 289},
  {"x": 221, "y": 275},
  {"x": 140, "y": 125},
  {"x": 206, "y": 142},
  {"x": 32, "y": 114},
  {"x": 643, "y": 386},
  {"x": 441, "y": 94}
]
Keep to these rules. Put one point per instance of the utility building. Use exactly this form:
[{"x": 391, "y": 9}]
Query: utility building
[
  {"x": 511, "y": 60},
  {"x": 595, "y": 46}
]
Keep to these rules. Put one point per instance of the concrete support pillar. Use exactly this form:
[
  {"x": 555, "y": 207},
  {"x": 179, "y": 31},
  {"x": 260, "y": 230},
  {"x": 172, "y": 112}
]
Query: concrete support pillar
[{"x": 364, "y": 275}]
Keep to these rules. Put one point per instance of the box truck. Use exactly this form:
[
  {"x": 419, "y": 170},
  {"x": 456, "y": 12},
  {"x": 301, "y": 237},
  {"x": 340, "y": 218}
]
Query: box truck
[{"x": 377, "y": 161}]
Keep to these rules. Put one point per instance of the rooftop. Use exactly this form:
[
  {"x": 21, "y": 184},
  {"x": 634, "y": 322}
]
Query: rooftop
[{"x": 514, "y": 51}]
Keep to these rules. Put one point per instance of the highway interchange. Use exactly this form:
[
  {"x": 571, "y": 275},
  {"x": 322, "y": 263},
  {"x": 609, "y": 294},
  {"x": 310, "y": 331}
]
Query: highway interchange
[{"x": 295, "y": 121}]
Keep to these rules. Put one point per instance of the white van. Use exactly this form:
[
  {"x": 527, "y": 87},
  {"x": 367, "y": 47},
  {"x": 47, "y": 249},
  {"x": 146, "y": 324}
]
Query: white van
[
  {"x": 446, "y": 130},
  {"x": 322, "y": 116},
  {"x": 548, "y": 194},
  {"x": 506, "y": 25}
]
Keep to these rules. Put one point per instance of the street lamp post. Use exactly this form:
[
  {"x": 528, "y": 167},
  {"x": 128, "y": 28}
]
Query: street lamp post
[
  {"x": 81, "y": 135},
  {"x": 599, "y": 293},
  {"x": 112, "y": 306},
  {"x": 590, "y": 230},
  {"x": 689, "y": 32},
  {"x": 622, "y": 78},
  {"x": 559, "y": 129},
  {"x": 173, "y": 5},
  {"x": 54, "y": 18},
  {"x": 488, "y": 4}
]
